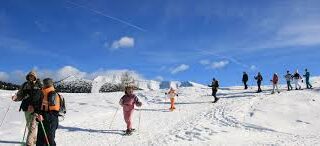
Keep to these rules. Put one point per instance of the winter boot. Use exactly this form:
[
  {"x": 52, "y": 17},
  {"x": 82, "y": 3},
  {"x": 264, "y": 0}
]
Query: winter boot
[{"x": 128, "y": 132}]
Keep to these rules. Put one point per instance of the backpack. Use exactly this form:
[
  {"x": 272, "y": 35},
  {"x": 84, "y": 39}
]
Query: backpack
[
  {"x": 217, "y": 83},
  {"x": 63, "y": 109}
]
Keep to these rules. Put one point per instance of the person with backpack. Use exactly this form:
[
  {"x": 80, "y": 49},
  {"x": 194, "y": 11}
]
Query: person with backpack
[
  {"x": 259, "y": 79},
  {"x": 296, "y": 79},
  {"x": 245, "y": 79},
  {"x": 289, "y": 78},
  {"x": 214, "y": 85},
  {"x": 30, "y": 94},
  {"x": 275, "y": 81},
  {"x": 48, "y": 114},
  {"x": 307, "y": 76},
  {"x": 172, "y": 94},
  {"x": 128, "y": 101}
]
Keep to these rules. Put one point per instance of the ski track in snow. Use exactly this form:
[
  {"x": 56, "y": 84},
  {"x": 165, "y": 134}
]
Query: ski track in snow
[{"x": 236, "y": 119}]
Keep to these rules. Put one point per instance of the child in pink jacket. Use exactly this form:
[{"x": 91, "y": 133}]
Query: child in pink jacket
[{"x": 128, "y": 101}]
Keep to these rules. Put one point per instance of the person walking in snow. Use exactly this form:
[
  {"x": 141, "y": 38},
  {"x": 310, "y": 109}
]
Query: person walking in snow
[
  {"x": 214, "y": 85},
  {"x": 30, "y": 94},
  {"x": 307, "y": 76},
  {"x": 275, "y": 81},
  {"x": 296, "y": 79},
  {"x": 172, "y": 94},
  {"x": 128, "y": 101},
  {"x": 288, "y": 77},
  {"x": 48, "y": 114},
  {"x": 245, "y": 79},
  {"x": 259, "y": 79}
]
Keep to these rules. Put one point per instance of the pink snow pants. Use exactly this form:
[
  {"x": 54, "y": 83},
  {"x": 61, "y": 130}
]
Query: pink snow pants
[{"x": 128, "y": 117}]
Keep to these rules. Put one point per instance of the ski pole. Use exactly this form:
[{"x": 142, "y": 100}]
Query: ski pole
[
  {"x": 5, "y": 115},
  {"x": 114, "y": 116},
  {"x": 45, "y": 134},
  {"x": 165, "y": 101},
  {"x": 24, "y": 134},
  {"x": 139, "y": 120}
]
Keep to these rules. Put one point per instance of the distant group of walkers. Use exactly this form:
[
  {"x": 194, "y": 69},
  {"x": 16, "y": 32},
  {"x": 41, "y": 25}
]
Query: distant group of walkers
[{"x": 295, "y": 78}]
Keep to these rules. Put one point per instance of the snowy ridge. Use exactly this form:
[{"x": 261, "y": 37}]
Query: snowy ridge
[
  {"x": 191, "y": 84},
  {"x": 100, "y": 81},
  {"x": 75, "y": 85}
]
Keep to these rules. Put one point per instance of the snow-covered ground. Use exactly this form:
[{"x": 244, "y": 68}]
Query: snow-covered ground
[{"x": 241, "y": 117}]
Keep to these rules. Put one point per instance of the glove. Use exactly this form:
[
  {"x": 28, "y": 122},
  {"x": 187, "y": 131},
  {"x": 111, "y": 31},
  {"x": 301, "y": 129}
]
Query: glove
[
  {"x": 139, "y": 104},
  {"x": 39, "y": 118},
  {"x": 14, "y": 98}
]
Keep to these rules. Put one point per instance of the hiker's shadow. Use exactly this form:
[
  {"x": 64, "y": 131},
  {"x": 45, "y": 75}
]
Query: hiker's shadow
[
  {"x": 182, "y": 103},
  {"x": 78, "y": 129},
  {"x": 10, "y": 142},
  {"x": 152, "y": 110},
  {"x": 237, "y": 96}
]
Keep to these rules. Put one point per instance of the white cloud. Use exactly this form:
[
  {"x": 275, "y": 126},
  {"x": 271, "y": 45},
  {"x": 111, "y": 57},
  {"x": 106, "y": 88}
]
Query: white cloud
[
  {"x": 180, "y": 68},
  {"x": 253, "y": 67},
  {"x": 301, "y": 34},
  {"x": 204, "y": 62},
  {"x": 69, "y": 71},
  {"x": 214, "y": 65},
  {"x": 159, "y": 78},
  {"x": 124, "y": 42},
  {"x": 219, "y": 64},
  {"x": 4, "y": 76}
]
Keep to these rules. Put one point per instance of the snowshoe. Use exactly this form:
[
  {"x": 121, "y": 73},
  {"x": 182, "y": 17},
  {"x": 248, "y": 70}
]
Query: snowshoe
[
  {"x": 128, "y": 132},
  {"x": 132, "y": 130}
]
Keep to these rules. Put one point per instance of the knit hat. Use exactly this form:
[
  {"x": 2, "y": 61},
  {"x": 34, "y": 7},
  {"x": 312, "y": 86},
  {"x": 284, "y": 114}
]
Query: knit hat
[
  {"x": 47, "y": 82},
  {"x": 31, "y": 73}
]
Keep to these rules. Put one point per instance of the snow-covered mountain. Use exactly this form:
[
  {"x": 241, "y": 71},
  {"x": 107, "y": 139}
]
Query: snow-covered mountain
[
  {"x": 112, "y": 82},
  {"x": 191, "y": 84},
  {"x": 74, "y": 84}
]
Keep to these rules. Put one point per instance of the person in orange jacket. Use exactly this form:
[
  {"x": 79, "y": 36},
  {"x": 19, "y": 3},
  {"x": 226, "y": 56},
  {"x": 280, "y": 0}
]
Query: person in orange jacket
[
  {"x": 48, "y": 114},
  {"x": 172, "y": 94}
]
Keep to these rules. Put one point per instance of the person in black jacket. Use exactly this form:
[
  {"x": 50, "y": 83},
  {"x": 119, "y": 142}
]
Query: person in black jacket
[
  {"x": 30, "y": 94},
  {"x": 214, "y": 85},
  {"x": 259, "y": 79},
  {"x": 245, "y": 79}
]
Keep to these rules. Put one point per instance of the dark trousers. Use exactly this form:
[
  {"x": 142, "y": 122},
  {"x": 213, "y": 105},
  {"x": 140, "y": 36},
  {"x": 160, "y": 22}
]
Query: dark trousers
[
  {"x": 50, "y": 124},
  {"x": 259, "y": 86},
  {"x": 289, "y": 85},
  {"x": 245, "y": 85},
  {"x": 308, "y": 84},
  {"x": 214, "y": 93}
]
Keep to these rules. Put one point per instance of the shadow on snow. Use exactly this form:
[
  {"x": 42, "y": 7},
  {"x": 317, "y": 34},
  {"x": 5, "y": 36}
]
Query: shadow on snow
[{"x": 78, "y": 129}]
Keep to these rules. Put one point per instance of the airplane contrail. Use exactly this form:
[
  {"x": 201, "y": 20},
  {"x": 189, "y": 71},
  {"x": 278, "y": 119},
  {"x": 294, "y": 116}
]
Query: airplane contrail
[{"x": 107, "y": 16}]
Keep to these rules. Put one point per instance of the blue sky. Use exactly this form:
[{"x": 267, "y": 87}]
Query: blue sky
[{"x": 161, "y": 39}]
